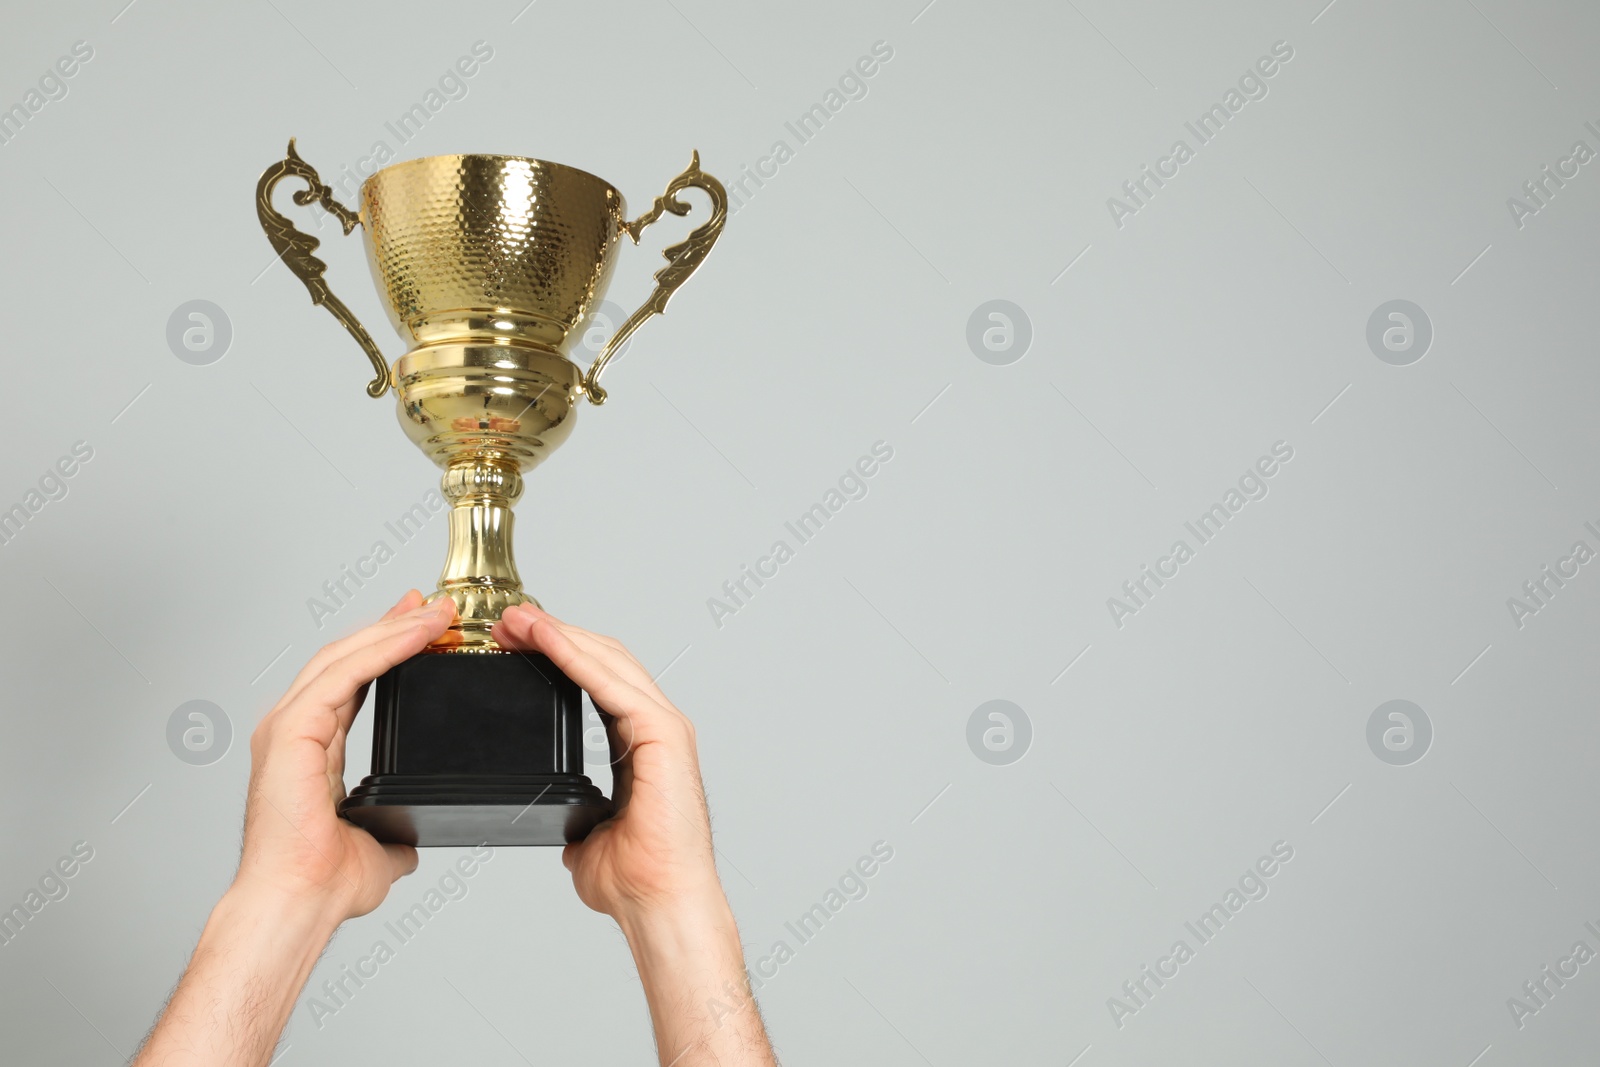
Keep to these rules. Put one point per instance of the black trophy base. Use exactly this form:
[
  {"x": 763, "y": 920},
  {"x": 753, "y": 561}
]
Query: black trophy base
[{"x": 477, "y": 748}]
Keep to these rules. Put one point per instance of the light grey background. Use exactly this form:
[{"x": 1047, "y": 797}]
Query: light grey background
[{"x": 1168, "y": 354}]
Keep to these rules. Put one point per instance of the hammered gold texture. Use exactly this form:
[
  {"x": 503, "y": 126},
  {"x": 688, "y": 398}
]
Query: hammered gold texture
[{"x": 455, "y": 241}]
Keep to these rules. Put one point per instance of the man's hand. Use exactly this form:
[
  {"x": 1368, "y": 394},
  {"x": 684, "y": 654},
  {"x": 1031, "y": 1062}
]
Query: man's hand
[
  {"x": 655, "y": 853},
  {"x": 295, "y": 844},
  {"x": 303, "y": 870},
  {"x": 651, "y": 866}
]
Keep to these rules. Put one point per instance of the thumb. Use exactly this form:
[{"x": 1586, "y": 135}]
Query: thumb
[{"x": 402, "y": 861}]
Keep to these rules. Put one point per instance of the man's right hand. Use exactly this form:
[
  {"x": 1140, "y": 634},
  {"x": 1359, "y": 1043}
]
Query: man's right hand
[
  {"x": 651, "y": 866},
  {"x": 655, "y": 853}
]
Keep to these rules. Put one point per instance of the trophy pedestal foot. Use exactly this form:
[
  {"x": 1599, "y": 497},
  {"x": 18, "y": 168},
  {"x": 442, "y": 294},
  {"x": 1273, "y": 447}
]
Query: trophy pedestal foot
[
  {"x": 426, "y": 810},
  {"x": 477, "y": 748}
]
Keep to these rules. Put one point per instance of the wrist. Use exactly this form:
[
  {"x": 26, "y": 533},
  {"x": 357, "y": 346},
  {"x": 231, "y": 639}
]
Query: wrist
[
  {"x": 254, "y": 956},
  {"x": 688, "y": 953},
  {"x": 691, "y": 966},
  {"x": 670, "y": 923},
  {"x": 287, "y": 918}
]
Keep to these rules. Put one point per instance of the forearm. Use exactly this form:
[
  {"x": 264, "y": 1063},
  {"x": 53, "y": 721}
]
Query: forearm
[
  {"x": 692, "y": 967},
  {"x": 231, "y": 1005}
]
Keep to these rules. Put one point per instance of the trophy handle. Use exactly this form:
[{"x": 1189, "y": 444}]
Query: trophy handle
[
  {"x": 682, "y": 259},
  {"x": 295, "y": 249}
]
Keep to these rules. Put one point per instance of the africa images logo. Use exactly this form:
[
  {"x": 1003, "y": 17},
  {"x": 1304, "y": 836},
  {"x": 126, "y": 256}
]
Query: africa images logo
[
  {"x": 1252, "y": 85},
  {"x": 1252, "y": 485}
]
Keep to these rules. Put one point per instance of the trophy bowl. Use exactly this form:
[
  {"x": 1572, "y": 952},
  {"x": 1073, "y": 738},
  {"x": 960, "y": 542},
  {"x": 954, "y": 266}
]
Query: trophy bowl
[
  {"x": 469, "y": 247},
  {"x": 486, "y": 264}
]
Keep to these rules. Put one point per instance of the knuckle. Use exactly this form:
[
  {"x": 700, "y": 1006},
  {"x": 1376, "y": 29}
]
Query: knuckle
[
  {"x": 265, "y": 729},
  {"x": 323, "y": 719},
  {"x": 344, "y": 680}
]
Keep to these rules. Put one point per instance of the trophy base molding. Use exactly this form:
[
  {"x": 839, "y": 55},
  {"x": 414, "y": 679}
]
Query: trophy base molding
[{"x": 477, "y": 748}]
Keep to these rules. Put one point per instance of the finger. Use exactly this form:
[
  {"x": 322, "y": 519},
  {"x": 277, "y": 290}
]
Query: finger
[
  {"x": 357, "y": 702},
  {"x": 572, "y": 852},
  {"x": 621, "y": 748},
  {"x": 524, "y": 629},
  {"x": 611, "y": 643},
  {"x": 533, "y": 611},
  {"x": 367, "y": 635},
  {"x": 392, "y": 621},
  {"x": 570, "y": 630},
  {"x": 630, "y": 672},
  {"x": 623, "y": 733},
  {"x": 510, "y": 630},
  {"x": 621, "y": 664},
  {"x": 326, "y": 703},
  {"x": 604, "y": 649},
  {"x": 643, "y": 715},
  {"x": 402, "y": 860},
  {"x": 410, "y": 602}
]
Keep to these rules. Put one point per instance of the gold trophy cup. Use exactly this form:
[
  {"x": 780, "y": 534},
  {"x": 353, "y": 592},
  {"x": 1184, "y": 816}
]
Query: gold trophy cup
[{"x": 487, "y": 264}]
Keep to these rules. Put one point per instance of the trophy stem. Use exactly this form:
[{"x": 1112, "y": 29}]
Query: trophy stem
[
  {"x": 475, "y": 749},
  {"x": 480, "y": 574}
]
